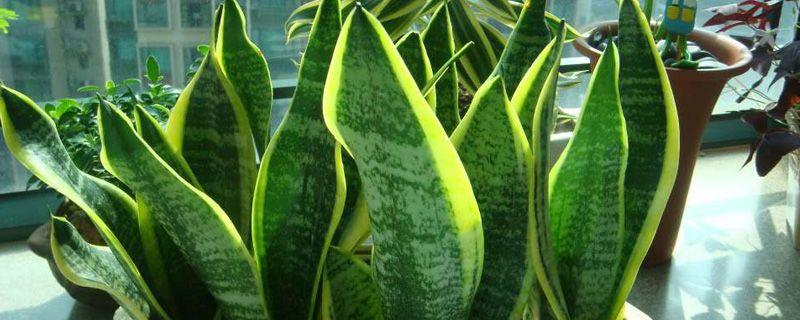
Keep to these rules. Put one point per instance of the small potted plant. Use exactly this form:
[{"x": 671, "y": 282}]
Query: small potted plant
[
  {"x": 699, "y": 63},
  {"x": 76, "y": 122}
]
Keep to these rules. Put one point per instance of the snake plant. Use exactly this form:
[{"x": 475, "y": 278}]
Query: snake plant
[{"x": 476, "y": 224}]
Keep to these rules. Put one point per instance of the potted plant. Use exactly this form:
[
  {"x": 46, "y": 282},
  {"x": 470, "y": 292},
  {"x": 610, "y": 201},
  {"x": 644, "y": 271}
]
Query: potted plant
[
  {"x": 472, "y": 225},
  {"x": 696, "y": 92},
  {"x": 76, "y": 124}
]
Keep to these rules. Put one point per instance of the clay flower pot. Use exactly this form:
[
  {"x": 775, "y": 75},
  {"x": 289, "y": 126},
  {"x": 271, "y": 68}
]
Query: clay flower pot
[{"x": 696, "y": 92}]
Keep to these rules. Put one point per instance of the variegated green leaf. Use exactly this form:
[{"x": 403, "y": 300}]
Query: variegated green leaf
[
  {"x": 439, "y": 43},
  {"x": 96, "y": 267},
  {"x": 527, "y": 40},
  {"x": 652, "y": 120},
  {"x": 425, "y": 221},
  {"x": 392, "y": 9},
  {"x": 478, "y": 63},
  {"x": 495, "y": 153},
  {"x": 541, "y": 94},
  {"x": 245, "y": 66},
  {"x": 209, "y": 127},
  {"x": 415, "y": 56},
  {"x": 530, "y": 89},
  {"x": 173, "y": 280},
  {"x": 194, "y": 222},
  {"x": 586, "y": 198},
  {"x": 353, "y": 227},
  {"x": 300, "y": 192},
  {"x": 353, "y": 292},
  {"x": 33, "y": 140}
]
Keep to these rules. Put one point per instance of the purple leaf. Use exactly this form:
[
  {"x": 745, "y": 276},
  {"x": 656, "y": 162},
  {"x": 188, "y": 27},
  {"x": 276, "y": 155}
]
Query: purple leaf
[{"x": 773, "y": 147}]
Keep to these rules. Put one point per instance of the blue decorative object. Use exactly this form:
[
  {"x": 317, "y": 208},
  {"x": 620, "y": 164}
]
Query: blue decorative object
[{"x": 678, "y": 22}]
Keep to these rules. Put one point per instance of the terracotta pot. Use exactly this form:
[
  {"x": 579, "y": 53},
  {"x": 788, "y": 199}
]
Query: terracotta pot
[{"x": 696, "y": 92}]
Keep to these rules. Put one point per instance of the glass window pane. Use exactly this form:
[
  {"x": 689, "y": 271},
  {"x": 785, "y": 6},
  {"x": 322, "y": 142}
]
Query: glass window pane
[
  {"x": 196, "y": 13},
  {"x": 152, "y": 13}
]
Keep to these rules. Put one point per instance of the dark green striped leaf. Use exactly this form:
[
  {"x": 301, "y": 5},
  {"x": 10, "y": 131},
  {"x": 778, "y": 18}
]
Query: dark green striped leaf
[
  {"x": 652, "y": 120},
  {"x": 438, "y": 40},
  {"x": 415, "y": 56},
  {"x": 530, "y": 91},
  {"x": 586, "y": 198},
  {"x": 478, "y": 63},
  {"x": 527, "y": 40},
  {"x": 300, "y": 192},
  {"x": 95, "y": 267},
  {"x": 209, "y": 127},
  {"x": 194, "y": 222},
  {"x": 495, "y": 153},
  {"x": 245, "y": 66},
  {"x": 425, "y": 221},
  {"x": 538, "y": 88},
  {"x": 173, "y": 280},
  {"x": 353, "y": 227},
  {"x": 32, "y": 138},
  {"x": 352, "y": 291}
]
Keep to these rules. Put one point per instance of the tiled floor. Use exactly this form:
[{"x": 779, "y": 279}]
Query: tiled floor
[{"x": 734, "y": 259}]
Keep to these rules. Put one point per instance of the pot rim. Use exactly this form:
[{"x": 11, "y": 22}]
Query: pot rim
[{"x": 738, "y": 64}]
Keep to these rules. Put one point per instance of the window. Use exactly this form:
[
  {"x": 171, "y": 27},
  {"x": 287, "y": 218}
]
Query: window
[
  {"x": 196, "y": 13},
  {"x": 152, "y": 13}
]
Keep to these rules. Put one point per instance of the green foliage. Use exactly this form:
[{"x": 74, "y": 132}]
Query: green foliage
[
  {"x": 470, "y": 226},
  {"x": 6, "y": 15},
  {"x": 76, "y": 120}
]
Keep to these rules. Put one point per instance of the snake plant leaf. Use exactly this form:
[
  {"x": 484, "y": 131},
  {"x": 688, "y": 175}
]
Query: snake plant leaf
[
  {"x": 353, "y": 292},
  {"x": 204, "y": 234},
  {"x": 425, "y": 222},
  {"x": 209, "y": 128},
  {"x": 541, "y": 94},
  {"x": 530, "y": 89},
  {"x": 499, "y": 8},
  {"x": 392, "y": 9},
  {"x": 527, "y": 40},
  {"x": 478, "y": 63},
  {"x": 96, "y": 267},
  {"x": 149, "y": 129},
  {"x": 554, "y": 22},
  {"x": 245, "y": 66},
  {"x": 173, "y": 280},
  {"x": 415, "y": 56},
  {"x": 33, "y": 140},
  {"x": 300, "y": 192},
  {"x": 353, "y": 227},
  {"x": 653, "y": 132},
  {"x": 439, "y": 42},
  {"x": 495, "y": 153},
  {"x": 496, "y": 38},
  {"x": 586, "y": 198}
]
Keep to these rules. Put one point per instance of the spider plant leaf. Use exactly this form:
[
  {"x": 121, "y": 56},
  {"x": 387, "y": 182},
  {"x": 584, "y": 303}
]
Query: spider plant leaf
[
  {"x": 415, "y": 56},
  {"x": 393, "y": 9},
  {"x": 499, "y": 8},
  {"x": 353, "y": 291},
  {"x": 209, "y": 128},
  {"x": 96, "y": 267},
  {"x": 653, "y": 140},
  {"x": 538, "y": 88},
  {"x": 527, "y": 40},
  {"x": 415, "y": 186},
  {"x": 586, "y": 198},
  {"x": 245, "y": 66},
  {"x": 195, "y": 223},
  {"x": 173, "y": 280},
  {"x": 495, "y": 153},
  {"x": 300, "y": 192},
  {"x": 439, "y": 42},
  {"x": 526, "y": 97},
  {"x": 553, "y": 22},
  {"x": 478, "y": 63},
  {"x": 33, "y": 140}
]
